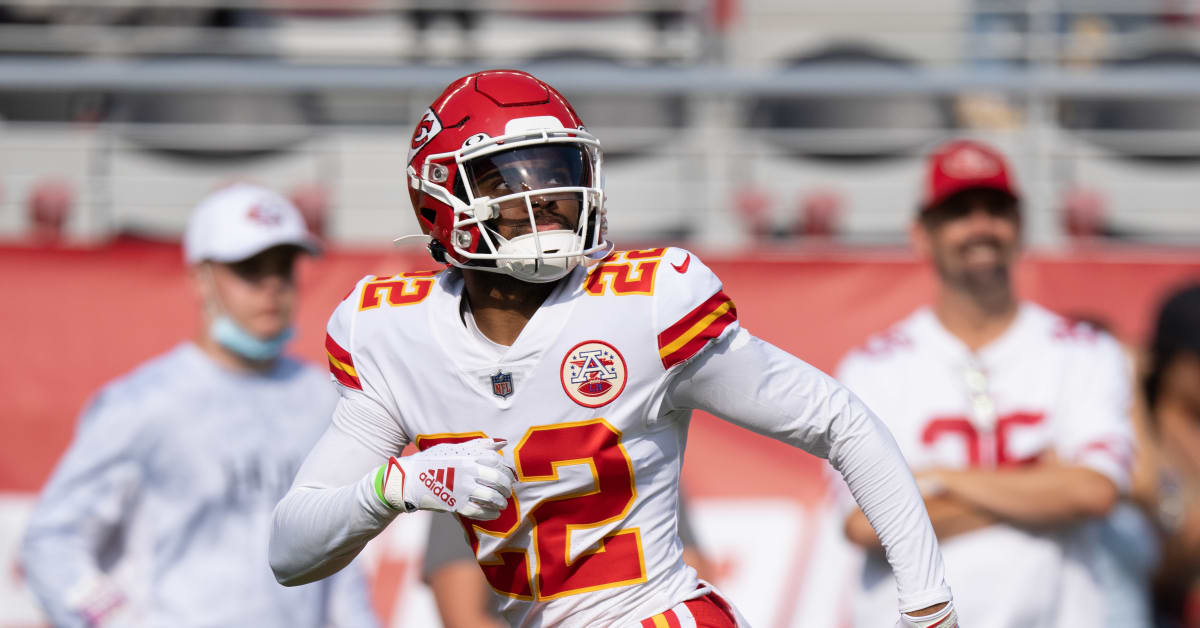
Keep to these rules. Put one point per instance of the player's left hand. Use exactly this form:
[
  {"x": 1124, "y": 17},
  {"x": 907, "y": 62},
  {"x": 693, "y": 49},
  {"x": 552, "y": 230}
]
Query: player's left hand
[
  {"x": 471, "y": 479},
  {"x": 945, "y": 618}
]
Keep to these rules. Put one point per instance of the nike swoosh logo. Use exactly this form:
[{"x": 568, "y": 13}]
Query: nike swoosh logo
[{"x": 682, "y": 268}]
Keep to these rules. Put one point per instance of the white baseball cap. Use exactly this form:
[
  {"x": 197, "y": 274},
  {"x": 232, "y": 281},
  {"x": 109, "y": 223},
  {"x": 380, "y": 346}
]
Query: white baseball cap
[{"x": 241, "y": 221}]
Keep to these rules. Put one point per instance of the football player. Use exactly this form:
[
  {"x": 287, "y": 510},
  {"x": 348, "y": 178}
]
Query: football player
[{"x": 547, "y": 382}]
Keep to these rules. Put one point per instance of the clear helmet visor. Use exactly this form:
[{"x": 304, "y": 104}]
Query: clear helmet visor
[
  {"x": 537, "y": 207},
  {"x": 530, "y": 168}
]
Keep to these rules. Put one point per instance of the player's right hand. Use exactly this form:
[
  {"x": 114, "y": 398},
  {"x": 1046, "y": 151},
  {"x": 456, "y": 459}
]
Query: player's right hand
[{"x": 471, "y": 479}]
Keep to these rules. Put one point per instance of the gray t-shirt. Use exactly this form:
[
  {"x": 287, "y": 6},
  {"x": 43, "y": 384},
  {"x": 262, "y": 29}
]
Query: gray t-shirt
[{"x": 166, "y": 496}]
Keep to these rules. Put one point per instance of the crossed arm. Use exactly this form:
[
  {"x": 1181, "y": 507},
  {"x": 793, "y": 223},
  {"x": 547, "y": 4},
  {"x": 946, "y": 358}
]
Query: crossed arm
[{"x": 1046, "y": 494}]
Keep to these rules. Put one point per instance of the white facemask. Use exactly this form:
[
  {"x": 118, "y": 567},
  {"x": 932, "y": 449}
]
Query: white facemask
[{"x": 532, "y": 266}]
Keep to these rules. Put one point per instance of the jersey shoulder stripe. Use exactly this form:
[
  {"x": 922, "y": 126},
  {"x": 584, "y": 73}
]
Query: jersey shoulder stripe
[
  {"x": 341, "y": 364},
  {"x": 690, "y": 307},
  {"x": 684, "y": 339}
]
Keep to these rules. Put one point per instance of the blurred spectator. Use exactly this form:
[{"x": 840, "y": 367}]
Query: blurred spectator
[
  {"x": 1127, "y": 550},
  {"x": 754, "y": 207},
  {"x": 818, "y": 213},
  {"x": 1084, "y": 214},
  {"x": 50, "y": 204},
  {"x": 462, "y": 594},
  {"x": 1169, "y": 486},
  {"x": 1014, "y": 419},
  {"x": 159, "y": 513}
]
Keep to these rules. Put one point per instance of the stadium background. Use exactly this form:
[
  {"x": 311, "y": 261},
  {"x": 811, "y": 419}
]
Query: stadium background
[{"x": 782, "y": 141}]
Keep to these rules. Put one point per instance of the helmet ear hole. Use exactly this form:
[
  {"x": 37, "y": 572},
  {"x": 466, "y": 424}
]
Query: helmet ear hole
[{"x": 429, "y": 214}]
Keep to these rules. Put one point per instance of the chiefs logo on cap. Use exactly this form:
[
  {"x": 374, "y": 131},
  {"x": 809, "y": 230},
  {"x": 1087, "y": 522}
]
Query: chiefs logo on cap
[
  {"x": 265, "y": 215},
  {"x": 593, "y": 373}
]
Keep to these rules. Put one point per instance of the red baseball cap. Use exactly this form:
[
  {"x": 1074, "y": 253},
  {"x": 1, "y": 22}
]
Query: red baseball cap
[{"x": 963, "y": 165}]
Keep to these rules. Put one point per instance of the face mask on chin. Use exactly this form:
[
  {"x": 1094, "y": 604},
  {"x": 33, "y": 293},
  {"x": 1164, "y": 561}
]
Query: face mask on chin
[
  {"x": 528, "y": 267},
  {"x": 227, "y": 333},
  {"x": 233, "y": 337}
]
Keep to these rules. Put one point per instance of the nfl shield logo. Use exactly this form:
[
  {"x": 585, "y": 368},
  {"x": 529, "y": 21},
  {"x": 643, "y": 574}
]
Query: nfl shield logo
[{"x": 502, "y": 384}]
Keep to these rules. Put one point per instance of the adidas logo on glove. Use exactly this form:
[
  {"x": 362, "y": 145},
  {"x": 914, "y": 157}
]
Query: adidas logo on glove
[
  {"x": 441, "y": 483},
  {"x": 471, "y": 479}
]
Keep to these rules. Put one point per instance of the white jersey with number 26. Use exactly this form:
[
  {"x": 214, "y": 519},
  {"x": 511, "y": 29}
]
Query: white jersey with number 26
[{"x": 1047, "y": 386}]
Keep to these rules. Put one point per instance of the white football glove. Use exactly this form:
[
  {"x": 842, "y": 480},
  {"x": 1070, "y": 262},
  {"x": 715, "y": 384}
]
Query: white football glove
[
  {"x": 945, "y": 618},
  {"x": 469, "y": 478}
]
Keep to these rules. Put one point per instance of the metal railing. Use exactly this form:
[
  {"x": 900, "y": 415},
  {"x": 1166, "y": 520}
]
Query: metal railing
[{"x": 717, "y": 152}]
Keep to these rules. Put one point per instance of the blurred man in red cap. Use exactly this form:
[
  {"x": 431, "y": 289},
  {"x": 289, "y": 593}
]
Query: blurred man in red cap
[{"x": 1014, "y": 419}]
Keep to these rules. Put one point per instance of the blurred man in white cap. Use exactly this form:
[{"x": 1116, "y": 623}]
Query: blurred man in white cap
[{"x": 159, "y": 513}]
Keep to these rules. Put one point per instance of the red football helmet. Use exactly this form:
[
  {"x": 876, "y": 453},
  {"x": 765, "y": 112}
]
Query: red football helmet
[{"x": 502, "y": 143}]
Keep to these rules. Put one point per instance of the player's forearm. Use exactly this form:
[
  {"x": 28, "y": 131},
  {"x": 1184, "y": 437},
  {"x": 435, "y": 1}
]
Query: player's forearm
[
  {"x": 318, "y": 531},
  {"x": 878, "y": 477},
  {"x": 1039, "y": 495}
]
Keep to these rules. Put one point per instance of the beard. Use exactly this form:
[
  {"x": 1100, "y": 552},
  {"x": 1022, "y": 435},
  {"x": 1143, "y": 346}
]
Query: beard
[{"x": 989, "y": 284}]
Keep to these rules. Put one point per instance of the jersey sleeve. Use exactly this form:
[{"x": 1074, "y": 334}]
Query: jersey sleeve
[
  {"x": 1095, "y": 429},
  {"x": 762, "y": 388},
  {"x": 853, "y": 373},
  {"x": 691, "y": 310},
  {"x": 365, "y": 411}
]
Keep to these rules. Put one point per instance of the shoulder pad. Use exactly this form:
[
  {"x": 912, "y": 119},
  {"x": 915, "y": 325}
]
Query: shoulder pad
[
  {"x": 339, "y": 338},
  {"x": 691, "y": 310},
  {"x": 373, "y": 292}
]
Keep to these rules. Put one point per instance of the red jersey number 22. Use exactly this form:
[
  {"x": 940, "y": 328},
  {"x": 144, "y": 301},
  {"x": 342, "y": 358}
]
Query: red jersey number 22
[{"x": 617, "y": 561}]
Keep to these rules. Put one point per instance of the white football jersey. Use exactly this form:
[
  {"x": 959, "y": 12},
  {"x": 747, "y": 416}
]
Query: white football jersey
[
  {"x": 1046, "y": 386},
  {"x": 589, "y": 538}
]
